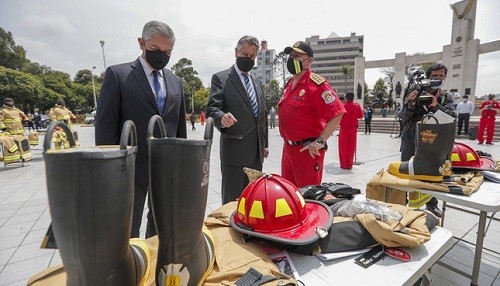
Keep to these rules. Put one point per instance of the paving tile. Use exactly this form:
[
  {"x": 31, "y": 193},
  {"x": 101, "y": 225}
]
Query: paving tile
[
  {"x": 6, "y": 254},
  {"x": 17, "y": 219},
  {"x": 12, "y": 240},
  {"x": 16, "y": 229},
  {"x": 23, "y": 270},
  {"x": 29, "y": 251}
]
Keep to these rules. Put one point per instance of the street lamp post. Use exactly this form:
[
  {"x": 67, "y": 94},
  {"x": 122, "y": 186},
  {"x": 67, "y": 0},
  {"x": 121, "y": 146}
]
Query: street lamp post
[
  {"x": 103, "y": 57},
  {"x": 93, "y": 87}
]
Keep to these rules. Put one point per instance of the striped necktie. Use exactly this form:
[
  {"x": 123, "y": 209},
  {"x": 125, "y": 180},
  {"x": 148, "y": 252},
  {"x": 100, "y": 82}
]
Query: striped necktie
[
  {"x": 251, "y": 95},
  {"x": 160, "y": 97}
]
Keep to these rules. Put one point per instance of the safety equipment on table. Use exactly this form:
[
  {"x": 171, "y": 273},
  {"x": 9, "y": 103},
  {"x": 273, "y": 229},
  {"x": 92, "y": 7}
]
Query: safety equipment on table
[
  {"x": 272, "y": 208},
  {"x": 434, "y": 142},
  {"x": 339, "y": 191},
  {"x": 91, "y": 193},
  {"x": 464, "y": 157},
  {"x": 179, "y": 171},
  {"x": 360, "y": 205}
]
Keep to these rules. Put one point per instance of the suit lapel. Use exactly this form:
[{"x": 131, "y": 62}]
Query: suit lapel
[
  {"x": 236, "y": 81},
  {"x": 140, "y": 76}
]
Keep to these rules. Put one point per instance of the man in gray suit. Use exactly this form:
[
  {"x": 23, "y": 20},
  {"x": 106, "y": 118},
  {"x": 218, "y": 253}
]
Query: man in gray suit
[
  {"x": 237, "y": 105},
  {"x": 136, "y": 91}
]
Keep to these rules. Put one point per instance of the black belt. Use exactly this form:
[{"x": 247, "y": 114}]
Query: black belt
[
  {"x": 301, "y": 142},
  {"x": 304, "y": 142}
]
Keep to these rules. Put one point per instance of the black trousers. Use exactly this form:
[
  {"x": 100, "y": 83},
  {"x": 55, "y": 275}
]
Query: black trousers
[
  {"x": 234, "y": 180},
  {"x": 463, "y": 118},
  {"x": 368, "y": 126}
]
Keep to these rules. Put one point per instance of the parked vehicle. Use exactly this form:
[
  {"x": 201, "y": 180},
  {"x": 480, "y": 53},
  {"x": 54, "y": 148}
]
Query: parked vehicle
[{"x": 90, "y": 119}]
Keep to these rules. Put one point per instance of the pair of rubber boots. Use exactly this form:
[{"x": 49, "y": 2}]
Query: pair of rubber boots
[
  {"x": 91, "y": 193},
  {"x": 433, "y": 146}
]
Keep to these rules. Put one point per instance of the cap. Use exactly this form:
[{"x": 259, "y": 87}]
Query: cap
[
  {"x": 301, "y": 48},
  {"x": 7, "y": 99},
  {"x": 61, "y": 102}
]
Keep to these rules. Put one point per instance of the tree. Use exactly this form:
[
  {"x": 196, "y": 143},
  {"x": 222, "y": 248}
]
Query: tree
[
  {"x": 279, "y": 63},
  {"x": 27, "y": 90},
  {"x": 347, "y": 71},
  {"x": 11, "y": 55},
  {"x": 190, "y": 80},
  {"x": 84, "y": 76},
  {"x": 272, "y": 93},
  {"x": 200, "y": 100}
]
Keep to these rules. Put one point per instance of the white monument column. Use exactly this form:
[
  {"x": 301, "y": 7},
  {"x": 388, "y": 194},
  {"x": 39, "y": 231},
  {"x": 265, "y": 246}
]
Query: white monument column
[
  {"x": 399, "y": 77},
  {"x": 359, "y": 79}
]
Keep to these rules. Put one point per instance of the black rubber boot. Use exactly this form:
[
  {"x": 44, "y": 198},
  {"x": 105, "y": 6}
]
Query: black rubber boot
[
  {"x": 434, "y": 143},
  {"x": 179, "y": 170},
  {"x": 90, "y": 195}
]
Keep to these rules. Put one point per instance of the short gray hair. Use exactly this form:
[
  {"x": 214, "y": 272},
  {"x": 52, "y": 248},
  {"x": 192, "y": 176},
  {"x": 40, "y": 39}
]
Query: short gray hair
[
  {"x": 157, "y": 28},
  {"x": 251, "y": 40}
]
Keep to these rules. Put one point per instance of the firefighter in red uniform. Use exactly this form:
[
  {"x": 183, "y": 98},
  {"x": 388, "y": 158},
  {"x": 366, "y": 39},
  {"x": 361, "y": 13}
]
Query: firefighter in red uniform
[
  {"x": 487, "y": 121},
  {"x": 309, "y": 112},
  {"x": 348, "y": 131}
]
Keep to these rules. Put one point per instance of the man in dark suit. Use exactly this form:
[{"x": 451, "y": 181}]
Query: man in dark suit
[
  {"x": 237, "y": 105},
  {"x": 136, "y": 91}
]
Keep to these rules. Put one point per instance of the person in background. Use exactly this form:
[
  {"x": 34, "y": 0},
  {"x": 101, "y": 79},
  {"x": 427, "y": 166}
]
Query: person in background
[
  {"x": 11, "y": 118},
  {"x": 136, "y": 91},
  {"x": 272, "y": 118},
  {"x": 37, "y": 120},
  {"x": 413, "y": 113},
  {"x": 192, "y": 119},
  {"x": 489, "y": 109},
  {"x": 309, "y": 111},
  {"x": 368, "y": 115},
  {"x": 238, "y": 108},
  {"x": 349, "y": 131},
  {"x": 464, "y": 111},
  {"x": 202, "y": 118}
]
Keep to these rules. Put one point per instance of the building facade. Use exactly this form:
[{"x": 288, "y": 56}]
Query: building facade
[
  {"x": 333, "y": 53},
  {"x": 264, "y": 70}
]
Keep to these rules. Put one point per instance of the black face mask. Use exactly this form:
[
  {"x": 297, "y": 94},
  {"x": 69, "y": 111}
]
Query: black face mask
[
  {"x": 245, "y": 64},
  {"x": 157, "y": 59},
  {"x": 294, "y": 66}
]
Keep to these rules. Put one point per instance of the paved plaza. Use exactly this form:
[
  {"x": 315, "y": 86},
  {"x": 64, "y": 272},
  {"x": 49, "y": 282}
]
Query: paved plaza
[{"x": 25, "y": 217}]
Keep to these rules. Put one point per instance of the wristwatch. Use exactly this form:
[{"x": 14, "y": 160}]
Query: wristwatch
[{"x": 320, "y": 141}]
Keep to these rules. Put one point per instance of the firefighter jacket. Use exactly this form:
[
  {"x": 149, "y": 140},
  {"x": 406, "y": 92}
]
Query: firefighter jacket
[
  {"x": 11, "y": 118},
  {"x": 62, "y": 113}
]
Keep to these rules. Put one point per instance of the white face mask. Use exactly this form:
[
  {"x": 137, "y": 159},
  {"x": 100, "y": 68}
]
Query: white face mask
[{"x": 464, "y": 100}]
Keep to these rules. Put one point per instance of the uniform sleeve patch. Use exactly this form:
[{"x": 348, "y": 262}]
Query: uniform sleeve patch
[{"x": 328, "y": 96}]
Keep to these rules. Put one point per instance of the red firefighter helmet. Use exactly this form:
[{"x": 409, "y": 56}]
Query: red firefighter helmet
[
  {"x": 464, "y": 157},
  {"x": 272, "y": 208}
]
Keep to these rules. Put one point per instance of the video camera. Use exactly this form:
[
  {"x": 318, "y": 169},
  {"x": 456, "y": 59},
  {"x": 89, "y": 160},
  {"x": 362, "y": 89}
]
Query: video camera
[{"x": 417, "y": 81}]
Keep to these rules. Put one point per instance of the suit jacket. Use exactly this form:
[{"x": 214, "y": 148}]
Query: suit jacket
[
  {"x": 247, "y": 138},
  {"x": 126, "y": 95}
]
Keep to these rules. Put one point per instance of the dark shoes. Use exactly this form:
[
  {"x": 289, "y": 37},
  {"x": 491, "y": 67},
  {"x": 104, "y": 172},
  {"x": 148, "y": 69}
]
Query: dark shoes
[
  {"x": 491, "y": 143},
  {"x": 434, "y": 210},
  {"x": 480, "y": 143}
]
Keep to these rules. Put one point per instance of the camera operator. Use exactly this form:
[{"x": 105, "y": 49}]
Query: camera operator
[
  {"x": 414, "y": 110},
  {"x": 489, "y": 109}
]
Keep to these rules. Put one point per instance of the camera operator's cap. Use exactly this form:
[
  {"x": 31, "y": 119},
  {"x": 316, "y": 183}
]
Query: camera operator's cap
[{"x": 301, "y": 48}]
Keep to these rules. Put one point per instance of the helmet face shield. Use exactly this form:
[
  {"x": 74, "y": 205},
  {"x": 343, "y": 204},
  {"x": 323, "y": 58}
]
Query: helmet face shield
[{"x": 272, "y": 208}]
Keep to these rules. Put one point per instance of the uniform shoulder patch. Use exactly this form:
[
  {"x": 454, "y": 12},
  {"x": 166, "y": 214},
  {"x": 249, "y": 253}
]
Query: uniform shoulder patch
[
  {"x": 328, "y": 97},
  {"x": 317, "y": 78}
]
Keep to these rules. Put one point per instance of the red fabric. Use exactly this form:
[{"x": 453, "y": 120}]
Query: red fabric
[
  {"x": 486, "y": 123},
  {"x": 489, "y": 112},
  {"x": 353, "y": 113},
  {"x": 303, "y": 111},
  {"x": 347, "y": 146},
  {"x": 299, "y": 167}
]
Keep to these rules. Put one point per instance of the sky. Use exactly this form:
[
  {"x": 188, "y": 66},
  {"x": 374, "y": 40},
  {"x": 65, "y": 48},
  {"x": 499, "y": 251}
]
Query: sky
[{"x": 66, "y": 35}]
